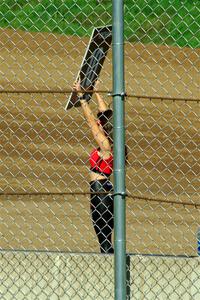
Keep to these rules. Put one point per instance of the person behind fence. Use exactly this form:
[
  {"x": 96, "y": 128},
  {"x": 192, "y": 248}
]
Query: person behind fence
[{"x": 101, "y": 167}]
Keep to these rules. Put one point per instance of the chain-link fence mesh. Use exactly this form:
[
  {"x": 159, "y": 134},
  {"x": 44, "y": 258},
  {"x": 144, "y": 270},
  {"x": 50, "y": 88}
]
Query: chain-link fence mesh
[{"x": 44, "y": 156}]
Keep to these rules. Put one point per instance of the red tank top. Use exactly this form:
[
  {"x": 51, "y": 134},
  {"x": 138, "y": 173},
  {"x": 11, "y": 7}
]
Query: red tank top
[{"x": 100, "y": 165}]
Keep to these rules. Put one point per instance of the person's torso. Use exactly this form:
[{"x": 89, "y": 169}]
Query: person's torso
[{"x": 99, "y": 164}]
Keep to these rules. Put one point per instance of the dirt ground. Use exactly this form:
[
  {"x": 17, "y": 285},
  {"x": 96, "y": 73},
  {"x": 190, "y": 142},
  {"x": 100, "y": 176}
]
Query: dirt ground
[{"x": 45, "y": 149}]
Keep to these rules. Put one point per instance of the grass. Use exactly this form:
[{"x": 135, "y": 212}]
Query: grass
[{"x": 172, "y": 22}]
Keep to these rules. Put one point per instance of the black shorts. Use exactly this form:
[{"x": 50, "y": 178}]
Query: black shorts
[{"x": 101, "y": 186}]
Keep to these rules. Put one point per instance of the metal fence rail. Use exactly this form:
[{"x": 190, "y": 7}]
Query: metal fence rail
[{"x": 44, "y": 151}]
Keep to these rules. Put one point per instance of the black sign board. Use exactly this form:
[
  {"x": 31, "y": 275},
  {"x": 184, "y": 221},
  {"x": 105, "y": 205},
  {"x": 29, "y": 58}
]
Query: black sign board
[{"x": 92, "y": 63}]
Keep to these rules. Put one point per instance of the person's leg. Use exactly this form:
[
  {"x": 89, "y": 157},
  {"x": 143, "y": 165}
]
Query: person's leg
[{"x": 102, "y": 216}]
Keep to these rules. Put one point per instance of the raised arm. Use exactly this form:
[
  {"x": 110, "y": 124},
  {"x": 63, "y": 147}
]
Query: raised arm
[
  {"x": 102, "y": 106},
  {"x": 97, "y": 132}
]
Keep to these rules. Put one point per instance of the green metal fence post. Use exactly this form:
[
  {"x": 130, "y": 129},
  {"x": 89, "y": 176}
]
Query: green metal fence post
[{"x": 119, "y": 150}]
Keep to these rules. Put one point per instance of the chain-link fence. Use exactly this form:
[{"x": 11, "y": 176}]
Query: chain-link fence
[{"x": 49, "y": 249}]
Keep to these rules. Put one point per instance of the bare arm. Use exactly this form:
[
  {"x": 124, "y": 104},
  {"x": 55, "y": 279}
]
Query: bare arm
[
  {"x": 97, "y": 132},
  {"x": 102, "y": 106},
  {"x": 101, "y": 103}
]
